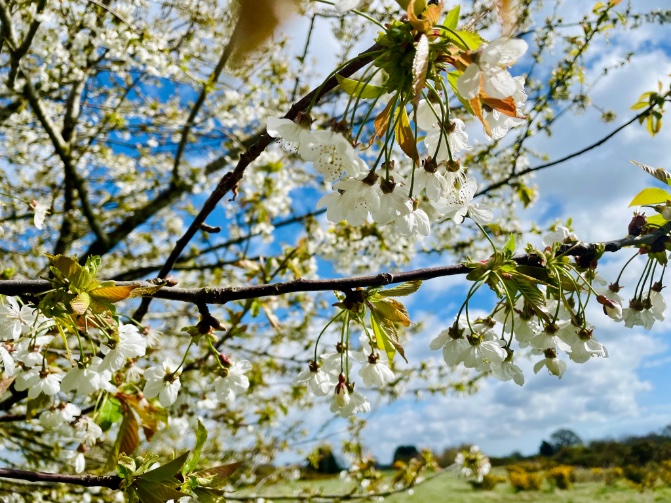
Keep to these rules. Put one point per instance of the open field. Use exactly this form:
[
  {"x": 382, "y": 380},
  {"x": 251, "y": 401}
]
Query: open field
[{"x": 448, "y": 488}]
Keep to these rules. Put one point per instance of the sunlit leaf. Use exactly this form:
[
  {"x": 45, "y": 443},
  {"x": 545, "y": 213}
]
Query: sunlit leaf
[
  {"x": 391, "y": 310},
  {"x": 80, "y": 303},
  {"x": 651, "y": 195},
  {"x": 218, "y": 475},
  {"x": 404, "y": 135},
  {"x": 201, "y": 437},
  {"x": 167, "y": 472},
  {"x": 111, "y": 294},
  {"x": 401, "y": 290},
  {"x": 452, "y": 18},
  {"x": 359, "y": 89}
]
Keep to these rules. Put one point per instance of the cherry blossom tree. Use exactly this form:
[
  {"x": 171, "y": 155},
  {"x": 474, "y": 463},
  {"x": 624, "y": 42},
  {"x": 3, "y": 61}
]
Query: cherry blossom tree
[{"x": 178, "y": 176}]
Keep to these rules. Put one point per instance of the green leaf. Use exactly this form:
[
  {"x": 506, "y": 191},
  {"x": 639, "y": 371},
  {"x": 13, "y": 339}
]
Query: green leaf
[
  {"x": 391, "y": 310},
  {"x": 509, "y": 249},
  {"x": 387, "y": 339},
  {"x": 65, "y": 265},
  {"x": 359, "y": 89},
  {"x": 656, "y": 220},
  {"x": 651, "y": 195},
  {"x": 401, "y": 290},
  {"x": 155, "y": 492},
  {"x": 464, "y": 40},
  {"x": 201, "y": 437},
  {"x": 404, "y": 135},
  {"x": 167, "y": 472},
  {"x": 452, "y": 18},
  {"x": 531, "y": 293},
  {"x": 109, "y": 413}
]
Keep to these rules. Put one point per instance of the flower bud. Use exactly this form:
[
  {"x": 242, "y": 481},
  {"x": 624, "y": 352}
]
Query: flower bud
[{"x": 637, "y": 225}]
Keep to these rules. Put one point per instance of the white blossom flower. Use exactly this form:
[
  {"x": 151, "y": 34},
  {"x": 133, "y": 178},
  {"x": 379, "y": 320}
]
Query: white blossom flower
[
  {"x": 394, "y": 203},
  {"x": 291, "y": 133},
  {"x": 453, "y": 343},
  {"x": 87, "y": 431},
  {"x": 500, "y": 123},
  {"x": 332, "y": 155},
  {"x": 460, "y": 205},
  {"x": 14, "y": 319},
  {"x": 415, "y": 222},
  {"x": 59, "y": 415},
  {"x": 7, "y": 360},
  {"x": 75, "y": 458},
  {"x": 657, "y": 304},
  {"x": 86, "y": 380},
  {"x": 507, "y": 370},
  {"x": 344, "y": 6},
  {"x": 376, "y": 373},
  {"x": 637, "y": 315},
  {"x": 40, "y": 213},
  {"x": 483, "y": 349},
  {"x": 554, "y": 365},
  {"x": 586, "y": 347},
  {"x": 130, "y": 344},
  {"x": 162, "y": 382},
  {"x": 334, "y": 204},
  {"x": 434, "y": 183},
  {"x": 489, "y": 69},
  {"x": 357, "y": 403},
  {"x": 38, "y": 381},
  {"x": 319, "y": 382},
  {"x": 234, "y": 383},
  {"x": 453, "y": 136},
  {"x": 359, "y": 198},
  {"x": 560, "y": 235}
]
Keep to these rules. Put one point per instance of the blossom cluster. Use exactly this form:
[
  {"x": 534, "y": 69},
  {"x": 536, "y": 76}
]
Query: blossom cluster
[
  {"x": 330, "y": 376},
  {"x": 28, "y": 353},
  {"x": 393, "y": 195}
]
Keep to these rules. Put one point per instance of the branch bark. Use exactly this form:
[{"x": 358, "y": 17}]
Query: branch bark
[
  {"x": 110, "y": 481},
  {"x": 213, "y": 295}
]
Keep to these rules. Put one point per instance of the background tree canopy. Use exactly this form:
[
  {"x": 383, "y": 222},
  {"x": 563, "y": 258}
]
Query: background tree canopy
[{"x": 213, "y": 231}]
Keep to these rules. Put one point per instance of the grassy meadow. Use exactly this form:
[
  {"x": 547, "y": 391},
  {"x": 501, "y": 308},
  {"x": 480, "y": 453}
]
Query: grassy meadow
[{"x": 449, "y": 488}]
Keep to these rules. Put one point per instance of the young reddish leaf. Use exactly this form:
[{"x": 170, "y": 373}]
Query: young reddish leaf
[
  {"x": 506, "y": 106},
  {"x": 659, "y": 173},
  {"x": 218, "y": 474},
  {"x": 382, "y": 122},
  {"x": 476, "y": 106}
]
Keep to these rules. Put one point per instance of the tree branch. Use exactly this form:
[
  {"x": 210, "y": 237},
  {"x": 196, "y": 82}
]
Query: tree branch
[
  {"x": 211, "y": 295},
  {"x": 110, "y": 481}
]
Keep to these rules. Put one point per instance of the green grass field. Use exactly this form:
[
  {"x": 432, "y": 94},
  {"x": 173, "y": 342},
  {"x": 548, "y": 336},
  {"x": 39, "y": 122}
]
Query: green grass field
[{"x": 448, "y": 488}]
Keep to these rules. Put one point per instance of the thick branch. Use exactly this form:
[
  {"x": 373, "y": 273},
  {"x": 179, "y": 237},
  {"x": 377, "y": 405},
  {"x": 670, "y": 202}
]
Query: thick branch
[
  {"x": 210, "y": 295},
  {"x": 110, "y": 481}
]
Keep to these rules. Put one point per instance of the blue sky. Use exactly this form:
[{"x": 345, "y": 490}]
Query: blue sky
[{"x": 627, "y": 393}]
